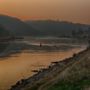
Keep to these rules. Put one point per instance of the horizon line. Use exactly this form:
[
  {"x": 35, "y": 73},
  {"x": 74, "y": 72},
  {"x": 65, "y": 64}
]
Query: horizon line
[{"x": 44, "y": 19}]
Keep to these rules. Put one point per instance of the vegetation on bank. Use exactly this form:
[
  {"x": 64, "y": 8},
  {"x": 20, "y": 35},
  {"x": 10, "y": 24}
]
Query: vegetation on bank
[
  {"x": 66, "y": 85},
  {"x": 77, "y": 77}
]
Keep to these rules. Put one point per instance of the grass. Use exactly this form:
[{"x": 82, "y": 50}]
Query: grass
[
  {"x": 36, "y": 86},
  {"x": 66, "y": 85}
]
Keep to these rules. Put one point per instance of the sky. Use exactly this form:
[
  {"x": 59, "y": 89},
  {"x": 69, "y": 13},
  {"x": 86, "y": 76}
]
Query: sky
[{"x": 64, "y": 10}]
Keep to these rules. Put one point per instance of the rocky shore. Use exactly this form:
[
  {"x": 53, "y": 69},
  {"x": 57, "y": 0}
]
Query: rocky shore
[{"x": 44, "y": 75}]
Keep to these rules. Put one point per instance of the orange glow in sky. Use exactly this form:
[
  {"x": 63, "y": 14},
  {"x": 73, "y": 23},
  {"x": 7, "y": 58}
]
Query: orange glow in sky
[{"x": 67, "y": 10}]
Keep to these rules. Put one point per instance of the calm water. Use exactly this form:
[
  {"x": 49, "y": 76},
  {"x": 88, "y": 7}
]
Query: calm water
[{"x": 20, "y": 65}]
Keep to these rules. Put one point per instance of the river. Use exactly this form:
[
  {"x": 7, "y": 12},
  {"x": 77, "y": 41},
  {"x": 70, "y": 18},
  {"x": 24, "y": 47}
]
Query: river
[{"x": 20, "y": 65}]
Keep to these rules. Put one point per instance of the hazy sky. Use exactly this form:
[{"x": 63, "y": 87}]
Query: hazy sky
[{"x": 67, "y": 10}]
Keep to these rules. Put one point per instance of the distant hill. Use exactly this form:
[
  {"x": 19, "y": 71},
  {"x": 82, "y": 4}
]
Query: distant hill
[
  {"x": 42, "y": 28},
  {"x": 3, "y": 32},
  {"x": 56, "y": 28},
  {"x": 16, "y": 26}
]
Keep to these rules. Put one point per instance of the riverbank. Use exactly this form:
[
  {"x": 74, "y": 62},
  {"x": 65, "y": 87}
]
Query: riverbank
[{"x": 45, "y": 75}]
